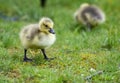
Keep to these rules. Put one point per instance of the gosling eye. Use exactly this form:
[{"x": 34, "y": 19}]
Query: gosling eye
[{"x": 46, "y": 25}]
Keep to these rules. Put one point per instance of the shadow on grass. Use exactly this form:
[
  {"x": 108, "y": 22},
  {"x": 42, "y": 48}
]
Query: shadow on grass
[
  {"x": 107, "y": 46},
  {"x": 38, "y": 60},
  {"x": 80, "y": 28},
  {"x": 76, "y": 27}
]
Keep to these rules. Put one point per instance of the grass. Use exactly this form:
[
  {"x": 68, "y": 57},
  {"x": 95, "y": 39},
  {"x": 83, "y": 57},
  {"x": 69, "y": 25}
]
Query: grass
[{"x": 77, "y": 51}]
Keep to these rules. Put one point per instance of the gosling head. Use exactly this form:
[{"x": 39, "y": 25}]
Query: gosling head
[
  {"x": 84, "y": 5},
  {"x": 46, "y": 25}
]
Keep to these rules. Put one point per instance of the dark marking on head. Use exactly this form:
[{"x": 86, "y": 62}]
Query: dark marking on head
[{"x": 45, "y": 25}]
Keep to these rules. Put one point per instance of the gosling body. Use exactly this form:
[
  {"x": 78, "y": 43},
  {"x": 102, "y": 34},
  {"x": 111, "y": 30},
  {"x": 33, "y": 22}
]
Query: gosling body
[
  {"x": 89, "y": 15},
  {"x": 32, "y": 37},
  {"x": 38, "y": 36}
]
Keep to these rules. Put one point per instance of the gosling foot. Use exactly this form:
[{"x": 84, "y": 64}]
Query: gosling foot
[{"x": 27, "y": 60}]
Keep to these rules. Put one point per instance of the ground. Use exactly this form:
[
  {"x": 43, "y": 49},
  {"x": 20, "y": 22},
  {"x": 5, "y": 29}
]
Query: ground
[{"x": 79, "y": 53}]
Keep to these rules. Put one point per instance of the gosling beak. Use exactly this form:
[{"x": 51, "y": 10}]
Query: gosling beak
[{"x": 52, "y": 31}]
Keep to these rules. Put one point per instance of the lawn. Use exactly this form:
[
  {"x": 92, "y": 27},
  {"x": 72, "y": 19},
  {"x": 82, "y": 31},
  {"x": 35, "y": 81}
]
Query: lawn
[{"x": 79, "y": 53}]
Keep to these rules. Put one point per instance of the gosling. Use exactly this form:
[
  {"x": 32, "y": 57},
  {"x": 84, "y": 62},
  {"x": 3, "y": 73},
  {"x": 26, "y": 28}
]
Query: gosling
[
  {"x": 89, "y": 15},
  {"x": 38, "y": 36}
]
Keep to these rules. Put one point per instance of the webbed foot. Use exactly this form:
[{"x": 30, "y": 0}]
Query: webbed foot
[{"x": 27, "y": 60}]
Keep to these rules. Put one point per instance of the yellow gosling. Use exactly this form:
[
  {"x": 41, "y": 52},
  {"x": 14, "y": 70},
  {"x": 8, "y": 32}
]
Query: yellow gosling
[{"x": 38, "y": 36}]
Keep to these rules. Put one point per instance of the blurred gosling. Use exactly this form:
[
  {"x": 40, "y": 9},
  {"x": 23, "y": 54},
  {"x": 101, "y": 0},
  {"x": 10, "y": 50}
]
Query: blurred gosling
[
  {"x": 89, "y": 15},
  {"x": 38, "y": 36}
]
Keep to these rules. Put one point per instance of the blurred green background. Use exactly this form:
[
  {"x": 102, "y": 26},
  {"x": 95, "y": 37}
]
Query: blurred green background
[{"x": 78, "y": 53}]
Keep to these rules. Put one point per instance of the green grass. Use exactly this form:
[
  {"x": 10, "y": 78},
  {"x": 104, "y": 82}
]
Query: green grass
[{"x": 76, "y": 50}]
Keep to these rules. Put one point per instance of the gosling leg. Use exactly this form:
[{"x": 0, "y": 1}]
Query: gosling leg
[
  {"x": 43, "y": 3},
  {"x": 89, "y": 26},
  {"x": 45, "y": 56},
  {"x": 25, "y": 59}
]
